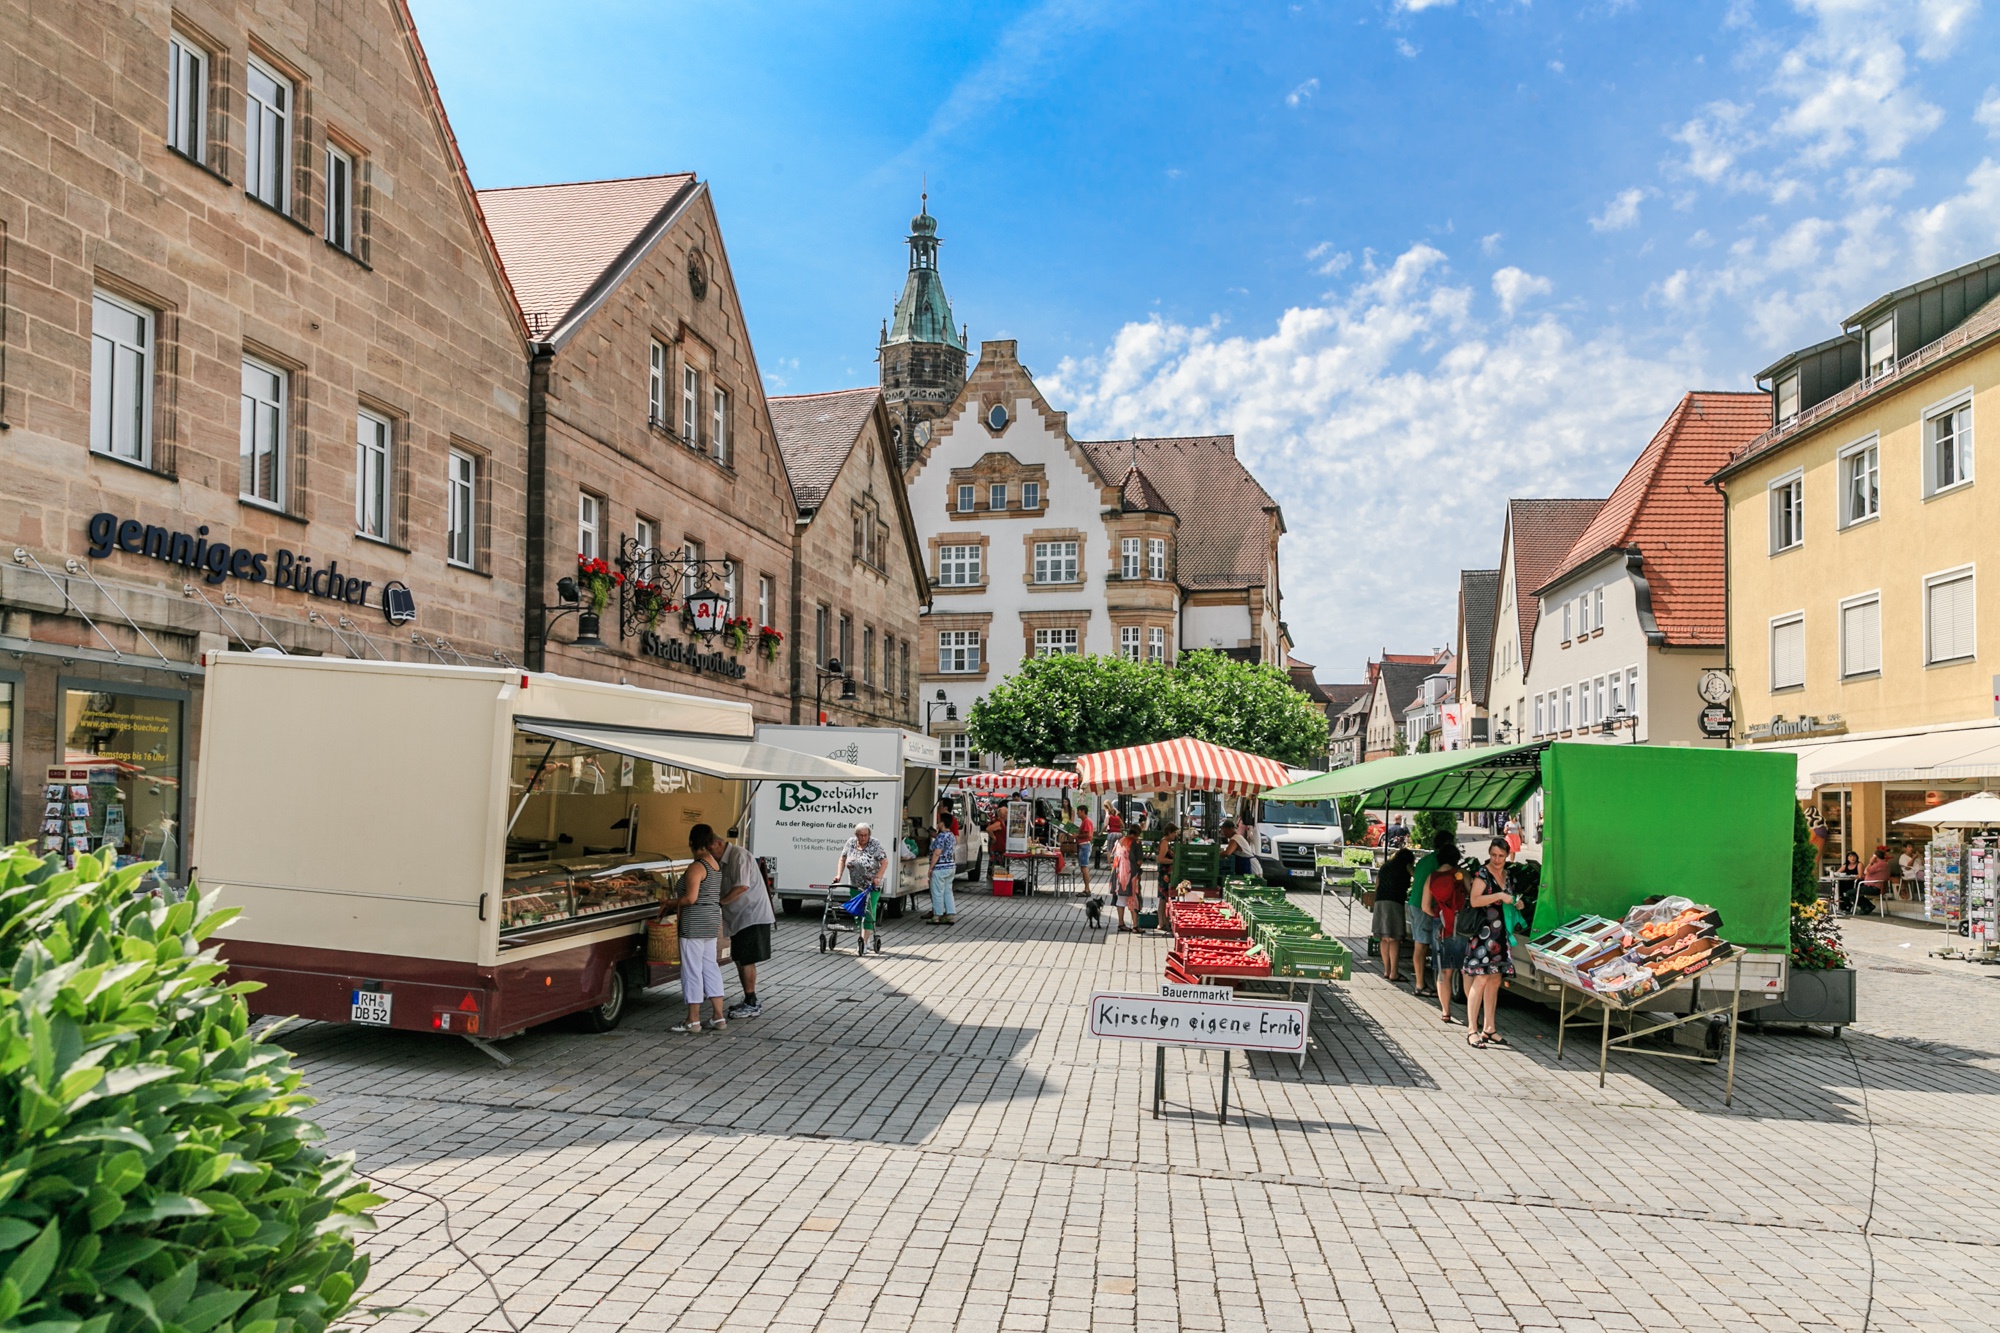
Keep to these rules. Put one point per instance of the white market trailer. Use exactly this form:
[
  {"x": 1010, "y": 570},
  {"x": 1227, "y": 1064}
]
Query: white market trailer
[
  {"x": 798, "y": 828},
  {"x": 467, "y": 850}
]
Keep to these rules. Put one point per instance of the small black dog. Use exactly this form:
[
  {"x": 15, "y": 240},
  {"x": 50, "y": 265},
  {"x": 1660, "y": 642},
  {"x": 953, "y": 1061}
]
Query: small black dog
[{"x": 1093, "y": 912}]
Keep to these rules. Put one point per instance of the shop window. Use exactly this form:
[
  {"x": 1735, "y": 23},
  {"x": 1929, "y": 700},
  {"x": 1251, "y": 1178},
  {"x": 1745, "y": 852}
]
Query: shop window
[{"x": 127, "y": 801}]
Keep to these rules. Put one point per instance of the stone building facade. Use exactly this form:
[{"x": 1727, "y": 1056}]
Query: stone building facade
[
  {"x": 858, "y": 564},
  {"x": 261, "y": 383},
  {"x": 649, "y": 443}
]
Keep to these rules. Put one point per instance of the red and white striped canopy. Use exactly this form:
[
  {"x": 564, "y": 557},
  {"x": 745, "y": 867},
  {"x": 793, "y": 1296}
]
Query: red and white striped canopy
[
  {"x": 1180, "y": 765},
  {"x": 1017, "y": 779}
]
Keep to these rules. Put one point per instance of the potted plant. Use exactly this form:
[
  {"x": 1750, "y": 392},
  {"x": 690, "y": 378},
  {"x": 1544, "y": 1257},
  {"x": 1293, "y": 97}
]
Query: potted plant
[
  {"x": 1820, "y": 988},
  {"x": 595, "y": 580},
  {"x": 768, "y": 641},
  {"x": 649, "y": 603},
  {"x": 737, "y": 630}
]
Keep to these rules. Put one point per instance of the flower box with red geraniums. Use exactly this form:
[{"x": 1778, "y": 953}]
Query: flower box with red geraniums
[
  {"x": 768, "y": 641},
  {"x": 596, "y": 579}
]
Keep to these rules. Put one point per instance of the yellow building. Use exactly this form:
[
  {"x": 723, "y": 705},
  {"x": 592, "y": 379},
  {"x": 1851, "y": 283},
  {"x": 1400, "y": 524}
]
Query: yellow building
[{"x": 1864, "y": 560}]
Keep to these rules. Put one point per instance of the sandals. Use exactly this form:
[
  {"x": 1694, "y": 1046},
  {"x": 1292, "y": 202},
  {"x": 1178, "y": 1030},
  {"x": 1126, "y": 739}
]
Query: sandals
[
  {"x": 1495, "y": 1039},
  {"x": 1476, "y": 1040},
  {"x": 1447, "y": 1019}
]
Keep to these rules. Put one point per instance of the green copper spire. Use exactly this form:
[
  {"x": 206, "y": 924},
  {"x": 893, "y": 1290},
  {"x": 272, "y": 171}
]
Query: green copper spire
[{"x": 923, "y": 314}]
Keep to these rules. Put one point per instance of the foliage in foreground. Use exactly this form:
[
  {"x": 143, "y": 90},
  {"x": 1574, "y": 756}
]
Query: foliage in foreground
[
  {"x": 1816, "y": 942},
  {"x": 1071, "y": 705},
  {"x": 156, "y": 1172}
]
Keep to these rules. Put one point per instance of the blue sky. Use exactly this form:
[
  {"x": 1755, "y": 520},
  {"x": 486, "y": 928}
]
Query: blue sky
[{"x": 1419, "y": 255}]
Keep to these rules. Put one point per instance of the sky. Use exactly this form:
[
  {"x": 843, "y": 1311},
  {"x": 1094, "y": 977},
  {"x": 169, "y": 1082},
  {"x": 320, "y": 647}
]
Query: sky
[{"x": 1419, "y": 256}]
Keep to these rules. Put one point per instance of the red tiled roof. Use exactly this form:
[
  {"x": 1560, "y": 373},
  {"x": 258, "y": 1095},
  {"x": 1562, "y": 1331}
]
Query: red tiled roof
[
  {"x": 1138, "y": 495},
  {"x": 556, "y": 241},
  {"x": 1541, "y": 533},
  {"x": 1225, "y": 516},
  {"x": 1665, "y": 507},
  {"x": 816, "y": 432}
]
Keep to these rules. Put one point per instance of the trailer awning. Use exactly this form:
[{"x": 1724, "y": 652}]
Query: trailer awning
[
  {"x": 736, "y": 757},
  {"x": 1492, "y": 777}
]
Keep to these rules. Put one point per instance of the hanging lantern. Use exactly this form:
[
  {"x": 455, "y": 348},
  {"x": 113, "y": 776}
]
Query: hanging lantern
[{"x": 709, "y": 611}]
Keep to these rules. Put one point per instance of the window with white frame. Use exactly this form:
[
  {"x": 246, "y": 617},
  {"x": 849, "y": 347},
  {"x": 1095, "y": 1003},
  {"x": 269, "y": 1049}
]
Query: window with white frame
[
  {"x": 1583, "y": 615},
  {"x": 690, "y": 403},
  {"x": 1788, "y": 500},
  {"x": 1948, "y": 451},
  {"x": 867, "y": 654},
  {"x": 1055, "y": 642},
  {"x": 1597, "y": 607},
  {"x": 1583, "y": 713},
  {"x": 1540, "y": 721},
  {"x": 1130, "y": 642},
  {"x": 958, "y": 566},
  {"x": 1617, "y": 694},
  {"x": 1156, "y": 557},
  {"x": 339, "y": 198},
  {"x": 1949, "y": 621},
  {"x": 1569, "y": 621},
  {"x": 1882, "y": 347},
  {"x": 1788, "y": 652},
  {"x": 1569, "y": 707},
  {"x": 461, "y": 497},
  {"x": 1788, "y": 398},
  {"x": 844, "y": 632},
  {"x": 645, "y": 535},
  {"x": 1055, "y": 562},
  {"x": 1600, "y": 714},
  {"x": 187, "y": 98},
  {"x": 996, "y": 495},
  {"x": 261, "y": 441},
  {"x": 1632, "y": 690},
  {"x": 765, "y": 592},
  {"x": 965, "y": 499},
  {"x": 1860, "y": 483},
  {"x": 732, "y": 586},
  {"x": 822, "y": 633},
  {"x": 371, "y": 475},
  {"x": 656, "y": 386},
  {"x": 267, "y": 117},
  {"x": 589, "y": 526},
  {"x": 1156, "y": 645},
  {"x": 958, "y": 651},
  {"x": 718, "y": 426},
  {"x": 1031, "y": 495},
  {"x": 1861, "y": 635},
  {"x": 1129, "y": 551},
  {"x": 956, "y": 747},
  {"x": 121, "y": 379}
]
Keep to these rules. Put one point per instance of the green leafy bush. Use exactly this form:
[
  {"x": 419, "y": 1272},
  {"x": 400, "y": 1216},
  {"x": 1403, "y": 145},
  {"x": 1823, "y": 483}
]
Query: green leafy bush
[{"x": 156, "y": 1172}]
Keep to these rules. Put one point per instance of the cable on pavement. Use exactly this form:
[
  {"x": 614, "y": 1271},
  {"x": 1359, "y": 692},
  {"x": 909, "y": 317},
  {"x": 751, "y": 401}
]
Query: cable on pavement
[{"x": 451, "y": 1238}]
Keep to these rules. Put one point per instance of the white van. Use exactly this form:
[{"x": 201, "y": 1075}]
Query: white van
[{"x": 1291, "y": 836}]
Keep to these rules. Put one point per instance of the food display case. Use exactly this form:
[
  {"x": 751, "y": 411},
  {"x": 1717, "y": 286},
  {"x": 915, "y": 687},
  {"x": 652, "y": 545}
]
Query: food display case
[{"x": 540, "y": 895}]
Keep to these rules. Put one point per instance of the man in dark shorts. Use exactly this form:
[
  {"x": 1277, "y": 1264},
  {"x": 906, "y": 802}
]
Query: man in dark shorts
[{"x": 746, "y": 919}]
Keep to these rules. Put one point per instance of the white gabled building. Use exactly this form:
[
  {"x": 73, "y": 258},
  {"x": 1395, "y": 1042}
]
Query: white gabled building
[{"x": 1039, "y": 543}]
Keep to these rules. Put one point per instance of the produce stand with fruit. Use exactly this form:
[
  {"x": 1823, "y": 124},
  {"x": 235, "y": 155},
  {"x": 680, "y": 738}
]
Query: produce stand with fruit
[
  {"x": 1624, "y": 825},
  {"x": 1256, "y": 939},
  {"x": 461, "y": 850}
]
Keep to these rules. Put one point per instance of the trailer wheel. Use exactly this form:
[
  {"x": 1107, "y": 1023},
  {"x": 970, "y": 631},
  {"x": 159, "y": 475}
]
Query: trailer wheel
[
  {"x": 791, "y": 906},
  {"x": 605, "y": 1017}
]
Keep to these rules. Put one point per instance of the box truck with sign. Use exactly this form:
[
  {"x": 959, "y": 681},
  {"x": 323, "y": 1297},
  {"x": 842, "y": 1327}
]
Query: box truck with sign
[
  {"x": 799, "y": 827},
  {"x": 467, "y": 850}
]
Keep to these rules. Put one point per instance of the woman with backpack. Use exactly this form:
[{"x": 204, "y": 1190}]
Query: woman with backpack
[
  {"x": 1488, "y": 960},
  {"x": 1445, "y": 898}
]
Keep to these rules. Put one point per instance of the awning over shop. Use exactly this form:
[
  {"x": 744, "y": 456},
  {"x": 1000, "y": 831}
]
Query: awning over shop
[
  {"x": 1494, "y": 777},
  {"x": 1937, "y": 756},
  {"x": 1185, "y": 764},
  {"x": 1019, "y": 779},
  {"x": 716, "y": 756}
]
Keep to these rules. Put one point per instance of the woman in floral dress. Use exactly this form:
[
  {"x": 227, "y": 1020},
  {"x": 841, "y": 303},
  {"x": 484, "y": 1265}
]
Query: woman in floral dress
[{"x": 1488, "y": 960}]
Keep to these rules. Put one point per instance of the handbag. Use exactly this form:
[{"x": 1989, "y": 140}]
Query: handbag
[
  {"x": 663, "y": 941},
  {"x": 858, "y": 904}
]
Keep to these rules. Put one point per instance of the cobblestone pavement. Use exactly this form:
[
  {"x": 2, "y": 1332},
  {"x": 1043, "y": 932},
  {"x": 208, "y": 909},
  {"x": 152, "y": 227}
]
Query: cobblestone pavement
[{"x": 926, "y": 1140}]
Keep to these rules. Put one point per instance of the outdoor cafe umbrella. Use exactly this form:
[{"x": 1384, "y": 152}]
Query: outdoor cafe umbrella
[
  {"x": 1185, "y": 764},
  {"x": 1976, "y": 811}
]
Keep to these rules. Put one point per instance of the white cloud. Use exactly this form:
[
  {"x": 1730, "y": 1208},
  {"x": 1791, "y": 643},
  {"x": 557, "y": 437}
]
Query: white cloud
[
  {"x": 1988, "y": 112},
  {"x": 1848, "y": 81},
  {"x": 1622, "y": 212},
  {"x": 1327, "y": 260},
  {"x": 1391, "y": 424},
  {"x": 1513, "y": 286},
  {"x": 1404, "y": 49},
  {"x": 1489, "y": 244},
  {"x": 1418, "y": 6},
  {"x": 1302, "y": 94}
]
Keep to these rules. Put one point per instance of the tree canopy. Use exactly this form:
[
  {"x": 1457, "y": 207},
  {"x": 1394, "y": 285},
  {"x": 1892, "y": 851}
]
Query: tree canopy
[{"x": 1071, "y": 705}]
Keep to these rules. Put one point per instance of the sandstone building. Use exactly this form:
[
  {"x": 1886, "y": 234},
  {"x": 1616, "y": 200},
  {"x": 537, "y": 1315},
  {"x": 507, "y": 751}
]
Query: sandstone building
[
  {"x": 261, "y": 383},
  {"x": 857, "y": 563}
]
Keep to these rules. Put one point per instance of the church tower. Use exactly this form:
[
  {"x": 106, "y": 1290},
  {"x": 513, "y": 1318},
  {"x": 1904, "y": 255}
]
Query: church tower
[{"x": 922, "y": 354}]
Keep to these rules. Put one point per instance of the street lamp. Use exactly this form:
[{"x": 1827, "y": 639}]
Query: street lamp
[
  {"x": 931, "y": 707},
  {"x": 570, "y": 603},
  {"x": 1620, "y": 718},
  {"x": 821, "y": 675}
]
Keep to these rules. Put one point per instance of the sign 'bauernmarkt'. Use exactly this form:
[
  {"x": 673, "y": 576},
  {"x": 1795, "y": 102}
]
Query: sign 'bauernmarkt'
[{"x": 1278, "y": 1026}]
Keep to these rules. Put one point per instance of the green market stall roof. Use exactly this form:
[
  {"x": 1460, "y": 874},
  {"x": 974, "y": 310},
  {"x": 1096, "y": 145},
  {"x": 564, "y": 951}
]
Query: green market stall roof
[{"x": 1496, "y": 777}]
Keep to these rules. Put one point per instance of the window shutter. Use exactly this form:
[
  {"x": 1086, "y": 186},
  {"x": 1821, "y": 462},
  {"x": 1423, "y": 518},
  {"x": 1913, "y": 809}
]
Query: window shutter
[
  {"x": 1861, "y": 638},
  {"x": 1788, "y": 654},
  {"x": 1951, "y": 620}
]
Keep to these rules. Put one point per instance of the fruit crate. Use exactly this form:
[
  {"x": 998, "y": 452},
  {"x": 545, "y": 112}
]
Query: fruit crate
[
  {"x": 1321, "y": 959},
  {"x": 1190, "y": 920},
  {"x": 1218, "y": 959}
]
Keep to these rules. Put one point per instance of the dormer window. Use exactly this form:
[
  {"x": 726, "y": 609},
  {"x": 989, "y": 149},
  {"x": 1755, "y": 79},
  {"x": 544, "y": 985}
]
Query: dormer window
[
  {"x": 1031, "y": 495},
  {"x": 1882, "y": 347},
  {"x": 1788, "y": 398},
  {"x": 996, "y": 496}
]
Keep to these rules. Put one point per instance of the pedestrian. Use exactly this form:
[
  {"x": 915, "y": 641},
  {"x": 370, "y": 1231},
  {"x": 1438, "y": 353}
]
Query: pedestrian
[
  {"x": 1911, "y": 863},
  {"x": 1086, "y": 829},
  {"x": 996, "y": 841},
  {"x": 1875, "y": 880},
  {"x": 1488, "y": 959},
  {"x": 1114, "y": 823},
  {"x": 1513, "y": 835},
  {"x": 1241, "y": 847},
  {"x": 862, "y": 863},
  {"x": 1125, "y": 877},
  {"x": 747, "y": 917},
  {"x": 1444, "y": 897},
  {"x": 1423, "y": 921},
  {"x": 944, "y": 865},
  {"x": 1391, "y": 923},
  {"x": 700, "y": 904}
]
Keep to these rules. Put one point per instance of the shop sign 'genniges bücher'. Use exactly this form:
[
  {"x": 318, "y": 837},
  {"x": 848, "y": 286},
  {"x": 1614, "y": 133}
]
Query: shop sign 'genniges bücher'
[{"x": 216, "y": 561}]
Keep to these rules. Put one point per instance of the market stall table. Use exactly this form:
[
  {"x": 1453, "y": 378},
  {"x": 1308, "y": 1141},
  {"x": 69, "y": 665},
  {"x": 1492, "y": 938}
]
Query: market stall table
[
  {"x": 1034, "y": 861},
  {"x": 1627, "y": 1042}
]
